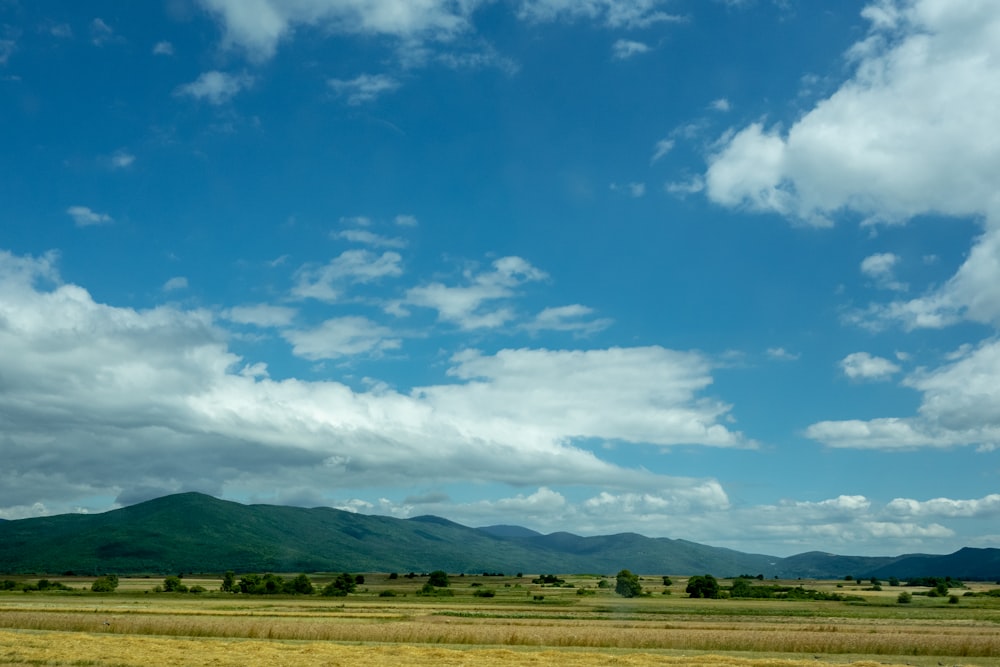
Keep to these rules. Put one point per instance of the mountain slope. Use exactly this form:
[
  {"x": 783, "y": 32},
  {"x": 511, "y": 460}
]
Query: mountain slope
[{"x": 192, "y": 532}]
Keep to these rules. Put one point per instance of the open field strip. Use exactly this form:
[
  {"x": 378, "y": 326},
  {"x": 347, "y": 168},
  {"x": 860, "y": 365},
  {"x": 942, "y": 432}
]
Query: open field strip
[
  {"x": 64, "y": 648},
  {"x": 562, "y": 622}
]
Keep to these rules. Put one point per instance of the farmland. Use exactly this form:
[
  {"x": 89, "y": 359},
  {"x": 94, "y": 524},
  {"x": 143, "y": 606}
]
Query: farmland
[{"x": 493, "y": 620}]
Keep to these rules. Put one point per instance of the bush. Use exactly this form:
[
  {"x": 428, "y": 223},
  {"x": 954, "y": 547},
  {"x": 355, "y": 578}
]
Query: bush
[
  {"x": 484, "y": 593},
  {"x": 904, "y": 598},
  {"x": 106, "y": 584},
  {"x": 387, "y": 594},
  {"x": 438, "y": 578},
  {"x": 344, "y": 583},
  {"x": 628, "y": 585},
  {"x": 197, "y": 589},
  {"x": 173, "y": 584},
  {"x": 705, "y": 586}
]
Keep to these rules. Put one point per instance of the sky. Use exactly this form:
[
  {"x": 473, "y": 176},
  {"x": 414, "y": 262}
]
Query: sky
[{"x": 719, "y": 270}]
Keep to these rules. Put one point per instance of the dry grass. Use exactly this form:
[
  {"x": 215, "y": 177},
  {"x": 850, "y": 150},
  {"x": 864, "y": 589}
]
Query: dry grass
[
  {"x": 64, "y": 648},
  {"x": 513, "y": 628}
]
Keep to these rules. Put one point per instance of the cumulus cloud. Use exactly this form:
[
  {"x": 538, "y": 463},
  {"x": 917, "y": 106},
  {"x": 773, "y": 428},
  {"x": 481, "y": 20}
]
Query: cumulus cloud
[
  {"x": 986, "y": 507},
  {"x": 216, "y": 87},
  {"x": 863, "y": 366},
  {"x": 909, "y": 133},
  {"x": 83, "y": 216},
  {"x": 881, "y": 268},
  {"x": 258, "y": 27},
  {"x": 326, "y": 283},
  {"x": 960, "y": 405},
  {"x": 474, "y": 305},
  {"x": 102, "y": 399},
  {"x": 341, "y": 337},
  {"x": 363, "y": 88},
  {"x": 163, "y": 49}
]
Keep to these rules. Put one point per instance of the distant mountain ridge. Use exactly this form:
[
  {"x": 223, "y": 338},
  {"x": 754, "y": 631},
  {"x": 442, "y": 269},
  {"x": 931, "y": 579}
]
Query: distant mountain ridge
[{"x": 193, "y": 532}]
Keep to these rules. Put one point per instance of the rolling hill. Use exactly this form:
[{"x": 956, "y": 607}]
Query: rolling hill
[{"x": 192, "y": 532}]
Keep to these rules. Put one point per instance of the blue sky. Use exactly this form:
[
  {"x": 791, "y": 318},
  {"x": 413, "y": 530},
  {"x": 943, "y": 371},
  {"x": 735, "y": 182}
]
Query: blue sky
[{"x": 719, "y": 270}]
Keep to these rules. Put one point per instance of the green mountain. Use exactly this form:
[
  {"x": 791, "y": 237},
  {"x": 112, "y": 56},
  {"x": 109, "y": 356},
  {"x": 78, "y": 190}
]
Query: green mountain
[{"x": 192, "y": 532}]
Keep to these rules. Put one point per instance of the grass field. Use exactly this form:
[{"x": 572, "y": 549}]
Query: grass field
[{"x": 524, "y": 623}]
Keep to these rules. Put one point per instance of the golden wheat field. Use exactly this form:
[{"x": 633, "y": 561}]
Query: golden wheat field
[{"x": 387, "y": 622}]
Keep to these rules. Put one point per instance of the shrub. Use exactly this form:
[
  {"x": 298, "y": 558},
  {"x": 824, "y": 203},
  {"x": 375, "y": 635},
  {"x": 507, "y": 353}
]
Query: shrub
[
  {"x": 344, "y": 583},
  {"x": 904, "y": 598},
  {"x": 173, "y": 584},
  {"x": 628, "y": 585},
  {"x": 106, "y": 584},
  {"x": 438, "y": 578},
  {"x": 705, "y": 586},
  {"x": 484, "y": 593},
  {"x": 387, "y": 594},
  {"x": 393, "y": 575},
  {"x": 197, "y": 589}
]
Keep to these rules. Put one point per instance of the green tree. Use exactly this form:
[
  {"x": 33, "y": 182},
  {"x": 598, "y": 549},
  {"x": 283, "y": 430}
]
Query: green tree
[
  {"x": 301, "y": 585},
  {"x": 702, "y": 587},
  {"x": 173, "y": 584},
  {"x": 106, "y": 584},
  {"x": 341, "y": 586},
  {"x": 741, "y": 589},
  {"x": 667, "y": 581},
  {"x": 628, "y": 585},
  {"x": 228, "y": 582},
  {"x": 438, "y": 578}
]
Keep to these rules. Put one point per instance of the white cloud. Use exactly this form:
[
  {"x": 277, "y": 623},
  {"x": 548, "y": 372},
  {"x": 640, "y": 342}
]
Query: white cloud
[
  {"x": 781, "y": 354},
  {"x": 634, "y": 190},
  {"x": 216, "y": 87},
  {"x": 122, "y": 159},
  {"x": 637, "y": 394},
  {"x": 406, "y": 220},
  {"x": 261, "y": 315},
  {"x": 863, "y": 366},
  {"x": 100, "y": 32},
  {"x": 960, "y": 406},
  {"x": 472, "y": 306},
  {"x": 663, "y": 146},
  {"x": 326, "y": 283},
  {"x": 363, "y": 88},
  {"x": 369, "y": 238},
  {"x": 175, "y": 283},
  {"x": 163, "y": 49},
  {"x": 881, "y": 268},
  {"x": 973, "y": 293},
  {"x": 911, "y": 132},
  {"x": 613, "y": 13},
  {"x": 106, "y": 400},
  {"x": 986, "y": 507},
  {"x": 341, "y": 337},
  {"x": 85, "y": 217},
  {"x": 684, "y": 188},
  {"x": 257, "y": 26},
  {"x": 7, "y": 48},
  {"x": 721, "y": 104},
  {"x": 575, "y": 318},
  {"x": 623, "y": 49}
]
